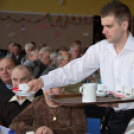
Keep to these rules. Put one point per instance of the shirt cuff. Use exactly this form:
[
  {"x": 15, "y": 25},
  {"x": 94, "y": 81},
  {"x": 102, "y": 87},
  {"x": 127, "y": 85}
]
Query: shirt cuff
[{"x": 47, "y": 82}]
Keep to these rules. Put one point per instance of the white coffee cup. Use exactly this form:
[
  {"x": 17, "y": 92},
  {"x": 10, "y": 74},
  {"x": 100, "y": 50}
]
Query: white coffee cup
[
  {"x": 30, "y": 132},
  {"x": 120, "y": 89},
  {"x": 101, "y": 89},
  {"x": 128, "y": 92},
  {"x": 88, "y": 91},
  {"x": 23, "y": 87}
]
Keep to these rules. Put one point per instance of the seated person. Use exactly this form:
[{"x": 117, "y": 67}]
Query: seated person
[
  {"x": 31, "y": 57},
  {"x": 17, "y": 55},
  {"x": 45, "y": 116},
  {"x": 75, "y": 51},
  {"x": 10, "y": 49},
  {"x": 6, "y": 66},
  {"x": 52, "y": 65},
  {"x": 42, "y": 62},
  {"x": 28, "y": 48},
  {"x": 62, "y": 59},
  {"x": 12, "y": 105}
]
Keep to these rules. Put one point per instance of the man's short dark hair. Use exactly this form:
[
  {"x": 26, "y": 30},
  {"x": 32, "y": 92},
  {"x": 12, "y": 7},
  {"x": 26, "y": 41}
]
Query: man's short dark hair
[
  {"x": 18, "y": 46},
  {"x": 118, "y": 9},
  {"x": 78, "y": 42}
]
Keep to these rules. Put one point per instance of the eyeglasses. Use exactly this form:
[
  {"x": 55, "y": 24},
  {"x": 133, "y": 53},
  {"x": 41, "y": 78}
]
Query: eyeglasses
[{"x": 67, "y": 58}]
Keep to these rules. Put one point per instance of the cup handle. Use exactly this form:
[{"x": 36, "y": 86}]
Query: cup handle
[{"x": 80, "y": 89}]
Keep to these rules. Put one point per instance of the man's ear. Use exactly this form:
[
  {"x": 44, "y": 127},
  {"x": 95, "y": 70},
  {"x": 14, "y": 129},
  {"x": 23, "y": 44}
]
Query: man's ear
[{"x": 125, "y": 25}]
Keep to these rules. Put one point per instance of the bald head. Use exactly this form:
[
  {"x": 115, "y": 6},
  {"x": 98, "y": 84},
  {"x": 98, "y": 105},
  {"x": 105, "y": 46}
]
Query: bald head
[
  {"x": 23, "y": 68},
  {"x": 6, "y": 66}
]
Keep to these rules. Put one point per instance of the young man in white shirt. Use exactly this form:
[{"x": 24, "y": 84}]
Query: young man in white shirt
[{"x": 115, "y": 58}]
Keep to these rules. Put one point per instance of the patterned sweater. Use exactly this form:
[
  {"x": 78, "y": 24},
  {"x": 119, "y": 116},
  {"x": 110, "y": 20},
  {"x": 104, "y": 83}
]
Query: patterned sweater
[{"x": 70, "y": 120}]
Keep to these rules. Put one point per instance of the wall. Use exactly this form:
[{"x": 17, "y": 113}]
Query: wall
[
  {"x": 54, "y": 36},
  {"x": 85, "y": 7},
  {"x": 73, "y": 7}
]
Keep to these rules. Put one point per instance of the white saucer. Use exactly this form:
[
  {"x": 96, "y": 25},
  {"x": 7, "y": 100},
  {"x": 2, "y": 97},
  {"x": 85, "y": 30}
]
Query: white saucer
[
  {"x": 20, "y": 93},
  {"x": 98, "y": 94},
  {"x": 116, "y": 96}
]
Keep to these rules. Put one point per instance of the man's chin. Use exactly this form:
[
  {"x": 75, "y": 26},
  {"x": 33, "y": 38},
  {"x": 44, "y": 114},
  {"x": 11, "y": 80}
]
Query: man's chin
[{"x": 109, "y": 41}]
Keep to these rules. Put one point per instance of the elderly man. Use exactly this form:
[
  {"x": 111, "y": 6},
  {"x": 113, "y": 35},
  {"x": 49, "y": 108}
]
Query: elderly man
[
  {"x": 63, "y": 58},
  {"x": 45, "y": 116},
  {"x": 6, "y": 66},
  {"x": 10, "y": 49},
  {"x": 42, "y": 62},
  {"x": 75, "y": 51},
  {"x": 12, "y": 105},
  {"x": 17, "y": 53},
  {"x": 28, "y": 48},
  {"x": 31, "y": 57},
  {"x": 52, "y": 65}
]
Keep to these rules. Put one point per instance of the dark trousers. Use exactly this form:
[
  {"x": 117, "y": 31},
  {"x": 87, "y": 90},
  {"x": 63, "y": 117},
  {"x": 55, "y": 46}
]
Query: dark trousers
[{"x": 115, "y": 122}]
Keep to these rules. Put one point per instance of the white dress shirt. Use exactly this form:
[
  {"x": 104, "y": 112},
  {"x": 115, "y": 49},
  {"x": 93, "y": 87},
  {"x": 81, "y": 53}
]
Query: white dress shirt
[{"x": 115, "y": 68}]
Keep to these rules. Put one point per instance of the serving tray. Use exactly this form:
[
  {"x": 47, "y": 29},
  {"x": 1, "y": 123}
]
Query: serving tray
[{"x": 76, "y": 99}]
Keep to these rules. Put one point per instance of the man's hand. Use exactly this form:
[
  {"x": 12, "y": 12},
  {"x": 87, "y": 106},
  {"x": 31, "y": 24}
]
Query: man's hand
[
  {"x": 36, "y": 84},
  {"x": 44, "y": 130}
]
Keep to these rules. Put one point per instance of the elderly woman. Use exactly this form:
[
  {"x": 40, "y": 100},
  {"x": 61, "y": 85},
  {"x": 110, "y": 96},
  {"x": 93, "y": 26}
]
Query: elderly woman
[{"x": 45, "y": 116}]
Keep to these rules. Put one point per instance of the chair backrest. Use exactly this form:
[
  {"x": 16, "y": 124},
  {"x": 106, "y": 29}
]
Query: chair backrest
[{"x": 93, "y": 125}]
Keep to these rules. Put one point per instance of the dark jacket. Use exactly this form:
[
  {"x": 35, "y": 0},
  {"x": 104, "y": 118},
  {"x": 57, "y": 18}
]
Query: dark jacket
[
  {"x": 37, "y": 68},
  {"x": 9, "y": 110},
  {"x": 49, "y": 68},
  {"x": 4, "y": 91},
  {"x": 17, "y": 60}
]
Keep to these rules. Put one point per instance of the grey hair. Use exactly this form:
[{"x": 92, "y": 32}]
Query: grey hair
[
  {"x": 74, "y": 46},
  {"x": 59, "y": 57},
  {"x": 53, "y": 54},
  {"x": 22, "y": 67},
  {"x": 33, "y": 51},
  {"x": 28, "y": 45},
  {"x": 47, "y": 48}
]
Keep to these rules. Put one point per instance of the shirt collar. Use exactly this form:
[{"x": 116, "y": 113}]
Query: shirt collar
[
  {"x": 130, "y": 43},
  {"x": 128, "y": 46},
  {"x": 9, "y": 86},
  {"x": 14, "y": 98}
]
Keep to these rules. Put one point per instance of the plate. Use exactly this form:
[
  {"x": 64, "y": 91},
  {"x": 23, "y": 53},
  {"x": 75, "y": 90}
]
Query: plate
[{"x": 24, "y": 93}]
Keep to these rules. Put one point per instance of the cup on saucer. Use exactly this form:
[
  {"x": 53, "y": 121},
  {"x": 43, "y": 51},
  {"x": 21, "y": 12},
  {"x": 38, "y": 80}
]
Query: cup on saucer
[
  {"x": 101, "y": 90},
  {"x": 22, "y": 90},
  {"x": 120, "y": 90},
  {"x": 128, "y": 92}
]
